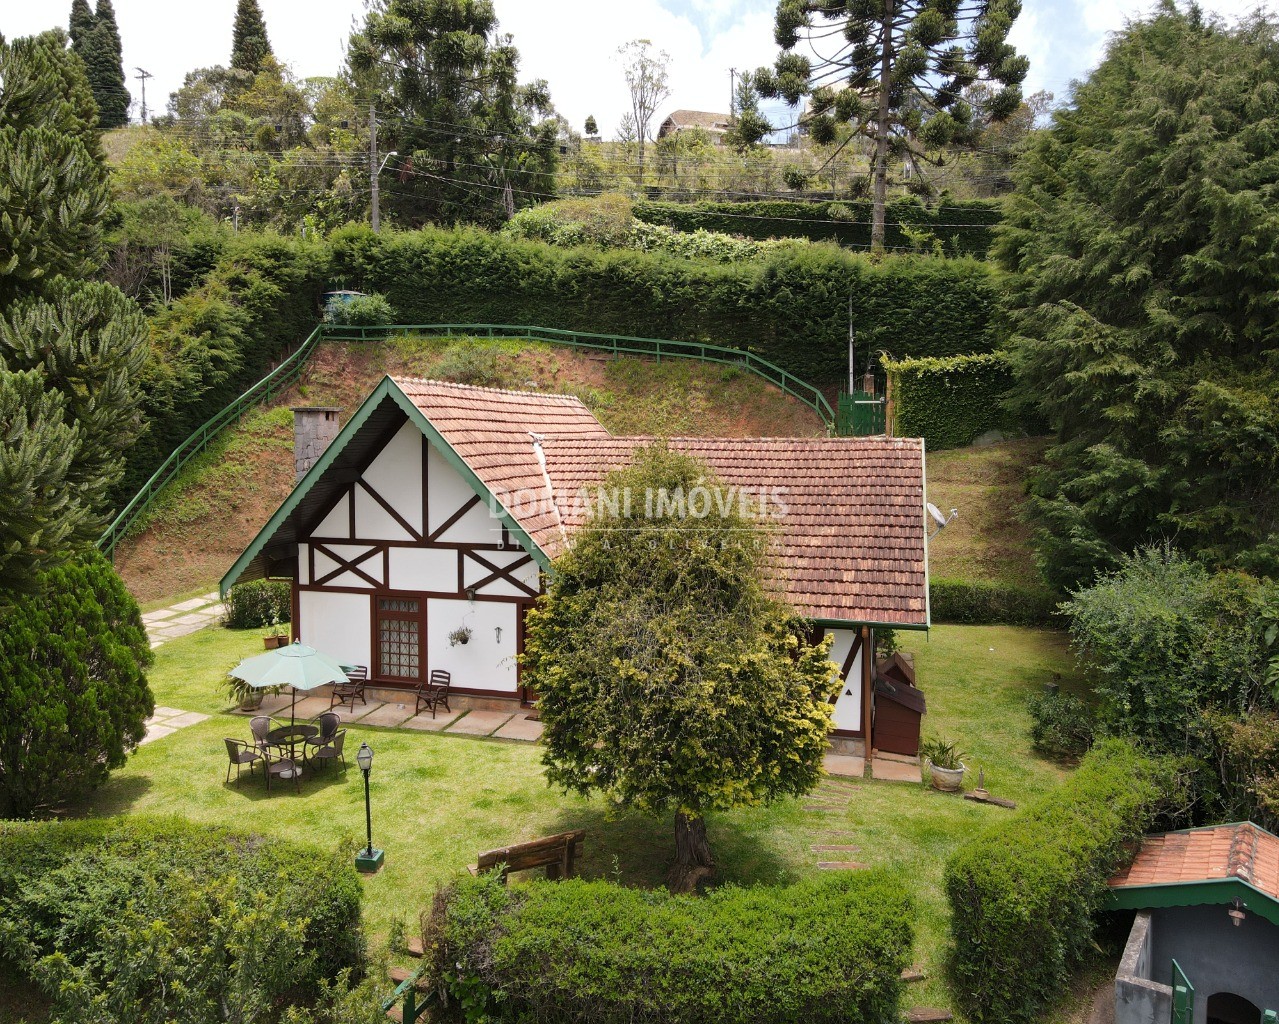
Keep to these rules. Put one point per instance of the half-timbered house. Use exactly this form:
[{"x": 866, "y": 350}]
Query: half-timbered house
[{"x": 438, "y": 507}]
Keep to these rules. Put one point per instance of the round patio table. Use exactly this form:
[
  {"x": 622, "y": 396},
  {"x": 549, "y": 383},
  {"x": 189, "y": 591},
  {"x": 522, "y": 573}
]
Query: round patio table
[{"x": 289, "y": 736}]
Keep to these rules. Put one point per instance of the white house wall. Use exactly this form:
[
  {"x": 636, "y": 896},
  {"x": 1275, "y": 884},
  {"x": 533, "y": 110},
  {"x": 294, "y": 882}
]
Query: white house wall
[
  {"x": 446, "y": 493},
  {"x": 423, "y": 569},
  {"x": 484, "y": 662},
  {"x": 848, "y": 702},
  {"x": 396, "y": 474},
  {"x": 337, "y": 624}
]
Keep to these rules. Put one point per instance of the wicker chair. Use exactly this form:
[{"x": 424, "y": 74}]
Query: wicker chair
[
  {"x": 283, "y": 767},
  {"x": 239, "y": 754},
  {"x": 332, "y": 750},
  {"x": 346, "y": 694},
  {"x": 328, "y": 724},
  {"x": 435, "y": 693},
  {"x": 260, "y": 725}
]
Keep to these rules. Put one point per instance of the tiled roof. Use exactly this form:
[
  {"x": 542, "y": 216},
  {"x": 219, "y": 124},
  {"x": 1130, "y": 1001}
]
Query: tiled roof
[
  {"x": 852, "y": 533},
  {"x": 1241, "y": 851},
  {"x": 699, "y": 119},
  {"x": 492, "y": 431}
]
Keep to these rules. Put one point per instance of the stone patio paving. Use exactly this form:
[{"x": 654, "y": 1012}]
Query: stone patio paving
[
  {"x": 182, "y": 618},
  {"x": 165, "y": 721}
]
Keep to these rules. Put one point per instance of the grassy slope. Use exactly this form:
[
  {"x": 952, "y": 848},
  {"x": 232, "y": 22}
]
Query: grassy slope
[
  {"x": 203, "y": 521},
  {"x": 438, "y": 799},
  {"x": 989, "y": 541}
]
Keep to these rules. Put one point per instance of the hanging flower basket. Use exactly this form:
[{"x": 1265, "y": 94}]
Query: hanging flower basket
[{"x": 461, "y": 635}]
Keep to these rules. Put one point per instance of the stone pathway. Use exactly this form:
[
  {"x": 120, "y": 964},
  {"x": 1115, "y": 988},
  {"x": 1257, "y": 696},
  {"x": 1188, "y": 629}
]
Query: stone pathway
[
  {"x": 895, "y": 768},
  {"x": 164, "y": 721},
  {"x": 502, "y": 725},
  {"x": 182, "y": 618}
]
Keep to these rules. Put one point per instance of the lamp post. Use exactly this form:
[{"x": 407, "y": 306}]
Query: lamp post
[{"x": 367, "y": 859}]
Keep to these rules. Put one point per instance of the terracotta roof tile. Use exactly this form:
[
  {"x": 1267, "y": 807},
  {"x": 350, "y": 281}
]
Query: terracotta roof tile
[
  {"x": 1198, "y": 855},
  {"x": 852, "y": 532}
]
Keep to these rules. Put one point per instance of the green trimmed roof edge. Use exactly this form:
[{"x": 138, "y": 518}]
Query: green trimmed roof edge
[
  {"x": 387, "y": 388},
  {"x": 1207, "y": 892}
]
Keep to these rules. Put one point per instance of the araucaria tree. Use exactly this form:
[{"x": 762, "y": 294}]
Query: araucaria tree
[
  {"x": 473, "y": 143},
  {"x": 249, "y": 43},
  {"x": 896, "y": 74},
  {"x": 71, "y": 351},
  {"x": 646, "y": 81},
  {"x": 73, "y": 688},
  {"x": 1142, "y": 238},
  {"x": 670, "y": 677}
]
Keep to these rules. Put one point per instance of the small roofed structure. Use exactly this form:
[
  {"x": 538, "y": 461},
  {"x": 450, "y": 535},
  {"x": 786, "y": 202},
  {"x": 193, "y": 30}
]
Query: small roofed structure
[
  {"x": 684, "y": 120},
  {"x": 1205, "y": 938}
]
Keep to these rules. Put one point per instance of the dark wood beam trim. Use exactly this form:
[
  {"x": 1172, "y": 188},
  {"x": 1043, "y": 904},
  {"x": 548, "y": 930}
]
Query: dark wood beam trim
[
  {"x": 506, "y": 573},
  {"x": 386, "y": 506},
  {"x": 435, "y": 535},
  {"x": 348, "y": 565},
  {"x": 443, "y": 595},
  {"x": 868, "y": 716}
]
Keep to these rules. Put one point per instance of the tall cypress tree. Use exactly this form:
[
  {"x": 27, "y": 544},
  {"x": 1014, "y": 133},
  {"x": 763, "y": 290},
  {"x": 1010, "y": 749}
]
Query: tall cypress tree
[
  {"x": 81, "y": 23},
  {"x": 249, "y": 43},
  {"x": 103, "y": 59}
]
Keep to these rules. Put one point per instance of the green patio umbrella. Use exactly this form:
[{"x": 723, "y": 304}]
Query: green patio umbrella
[{"x": 297, "y": 665}]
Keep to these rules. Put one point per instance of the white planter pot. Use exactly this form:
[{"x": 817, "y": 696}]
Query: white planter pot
[{"x": 948, "y": 780}]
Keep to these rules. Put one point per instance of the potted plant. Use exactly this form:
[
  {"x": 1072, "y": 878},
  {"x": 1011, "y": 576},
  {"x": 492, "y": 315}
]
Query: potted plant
[
  {"x": 945, "y": 764},
  {"x": 273, "y": 640},
  {"x": 246, "y": 697},
  {"x": 461, "y": 635}
]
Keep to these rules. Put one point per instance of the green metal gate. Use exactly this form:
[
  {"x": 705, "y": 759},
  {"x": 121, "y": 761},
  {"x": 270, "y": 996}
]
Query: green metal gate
[
  {"x": 1183, "y": 996},
  {"x": 860, "y": 414}
]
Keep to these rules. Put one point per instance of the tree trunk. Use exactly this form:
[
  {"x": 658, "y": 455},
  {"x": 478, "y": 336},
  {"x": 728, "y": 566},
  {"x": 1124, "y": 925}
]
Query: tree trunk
[
  {"x": 881, "y": 131},
  {"x": 693, "y": 861}
]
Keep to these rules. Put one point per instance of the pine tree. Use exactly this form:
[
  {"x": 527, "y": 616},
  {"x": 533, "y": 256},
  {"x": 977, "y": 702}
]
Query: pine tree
[
  {"x": 81, "y": 23},
  {"x": 101, "y": 51},
  {"x": 249, "y": 43},
  {"x": 71, "y": 351},
  {"x": 898, "y": 73},
  {"x": 1142, "y": 242}
]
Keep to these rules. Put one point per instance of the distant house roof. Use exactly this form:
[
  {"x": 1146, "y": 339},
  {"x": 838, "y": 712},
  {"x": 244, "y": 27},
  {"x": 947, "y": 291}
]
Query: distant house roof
[
  {"x": 679, "y": 120},
  {"x": 852, "y": 545},
  {"x": 1207, "y": 865}
]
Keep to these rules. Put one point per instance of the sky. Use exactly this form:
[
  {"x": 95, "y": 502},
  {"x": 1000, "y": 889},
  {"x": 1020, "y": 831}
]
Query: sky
[{"x": 570, "y": 43}]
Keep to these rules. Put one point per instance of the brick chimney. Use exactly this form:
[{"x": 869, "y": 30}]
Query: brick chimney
[{"x": 313, "y": 431}]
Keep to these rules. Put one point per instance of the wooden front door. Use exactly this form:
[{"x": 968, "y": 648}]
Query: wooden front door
[{"x": 400, "y": 635}]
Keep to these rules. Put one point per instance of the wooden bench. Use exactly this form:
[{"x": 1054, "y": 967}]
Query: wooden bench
[{"x": 555, "y": 853}]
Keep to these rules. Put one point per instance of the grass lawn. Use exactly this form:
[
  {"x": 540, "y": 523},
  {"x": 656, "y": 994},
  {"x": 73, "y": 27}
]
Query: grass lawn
[{"x": 438, "y": 799}]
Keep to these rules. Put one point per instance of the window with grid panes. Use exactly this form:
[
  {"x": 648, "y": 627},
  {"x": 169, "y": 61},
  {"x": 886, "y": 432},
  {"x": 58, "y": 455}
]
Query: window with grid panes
[{"x": 399, "y": 638}]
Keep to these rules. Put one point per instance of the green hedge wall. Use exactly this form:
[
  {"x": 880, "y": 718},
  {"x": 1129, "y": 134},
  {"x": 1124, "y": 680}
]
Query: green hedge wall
[
  {"x": 824, "y": 951},
  {"x": 973, "y": 603},
  {"x": 791, "y": 308},
  {"x": 950, "y": 400},
  {"x": 141, "y": 918},
  {"x": 965, "y": 227},
  {"x": 1023, "y": 892}
]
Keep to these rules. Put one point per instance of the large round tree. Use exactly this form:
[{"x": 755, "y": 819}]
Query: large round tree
[{"x": 672, "y": 677}]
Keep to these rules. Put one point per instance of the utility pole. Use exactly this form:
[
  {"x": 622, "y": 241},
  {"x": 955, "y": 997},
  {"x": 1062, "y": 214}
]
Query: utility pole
[
  {"x": 374, "y": 170},
  {"x": 142, "y": 77},
  {"x": 732, "y": 92},
  {"x": 852, "y": 349}
]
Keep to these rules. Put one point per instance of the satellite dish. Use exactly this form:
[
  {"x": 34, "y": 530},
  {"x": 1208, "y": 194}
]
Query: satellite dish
[
  {"x": 941, "y": 520},
  {"x": 935, "y": 512}
]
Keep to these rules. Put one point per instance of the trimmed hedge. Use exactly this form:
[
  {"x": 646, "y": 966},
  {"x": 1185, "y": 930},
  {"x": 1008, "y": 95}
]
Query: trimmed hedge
[
  {"x": 822, "y": 951},
  {"x": 964, "y": 227},
  {"x": 1024, "y": 891},
  {"x": 950, "y": 400},
  {"x": 259, "y": 603},
  {"x": 178, "y": 920},
  {"x": 978, "y": 603}
]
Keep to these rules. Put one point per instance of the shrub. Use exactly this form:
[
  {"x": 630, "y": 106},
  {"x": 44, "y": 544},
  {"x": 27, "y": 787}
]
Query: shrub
[
  {"x": 73, "y": 687},
  {"x": 259, "y": 603},
  {"x": 361, "y": 311},
  {"x": 951, "y": 400},
  {"x": 825, "y": 950},
  {"x": 1167, "y": 639},
  {"x": 159, "y": 919},
  {"x": 472, "y": 362},
  {"x": 1023, "y": 892},
  {"x": 979, "y": 603},
  {"x": 1062, "y": 724}
]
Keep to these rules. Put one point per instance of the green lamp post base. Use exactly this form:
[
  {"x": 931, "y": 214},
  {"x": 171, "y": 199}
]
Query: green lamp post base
[{"x": 369, "y": 860}]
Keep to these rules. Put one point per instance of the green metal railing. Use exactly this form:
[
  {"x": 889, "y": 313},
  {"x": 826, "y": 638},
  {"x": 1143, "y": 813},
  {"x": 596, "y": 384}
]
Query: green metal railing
[
  {"x": 412, "y": 1002},
  {"x": 284, "y": 375},
  {"x": 617, "y": 344},
  {"x": 278, "y": 380}
]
